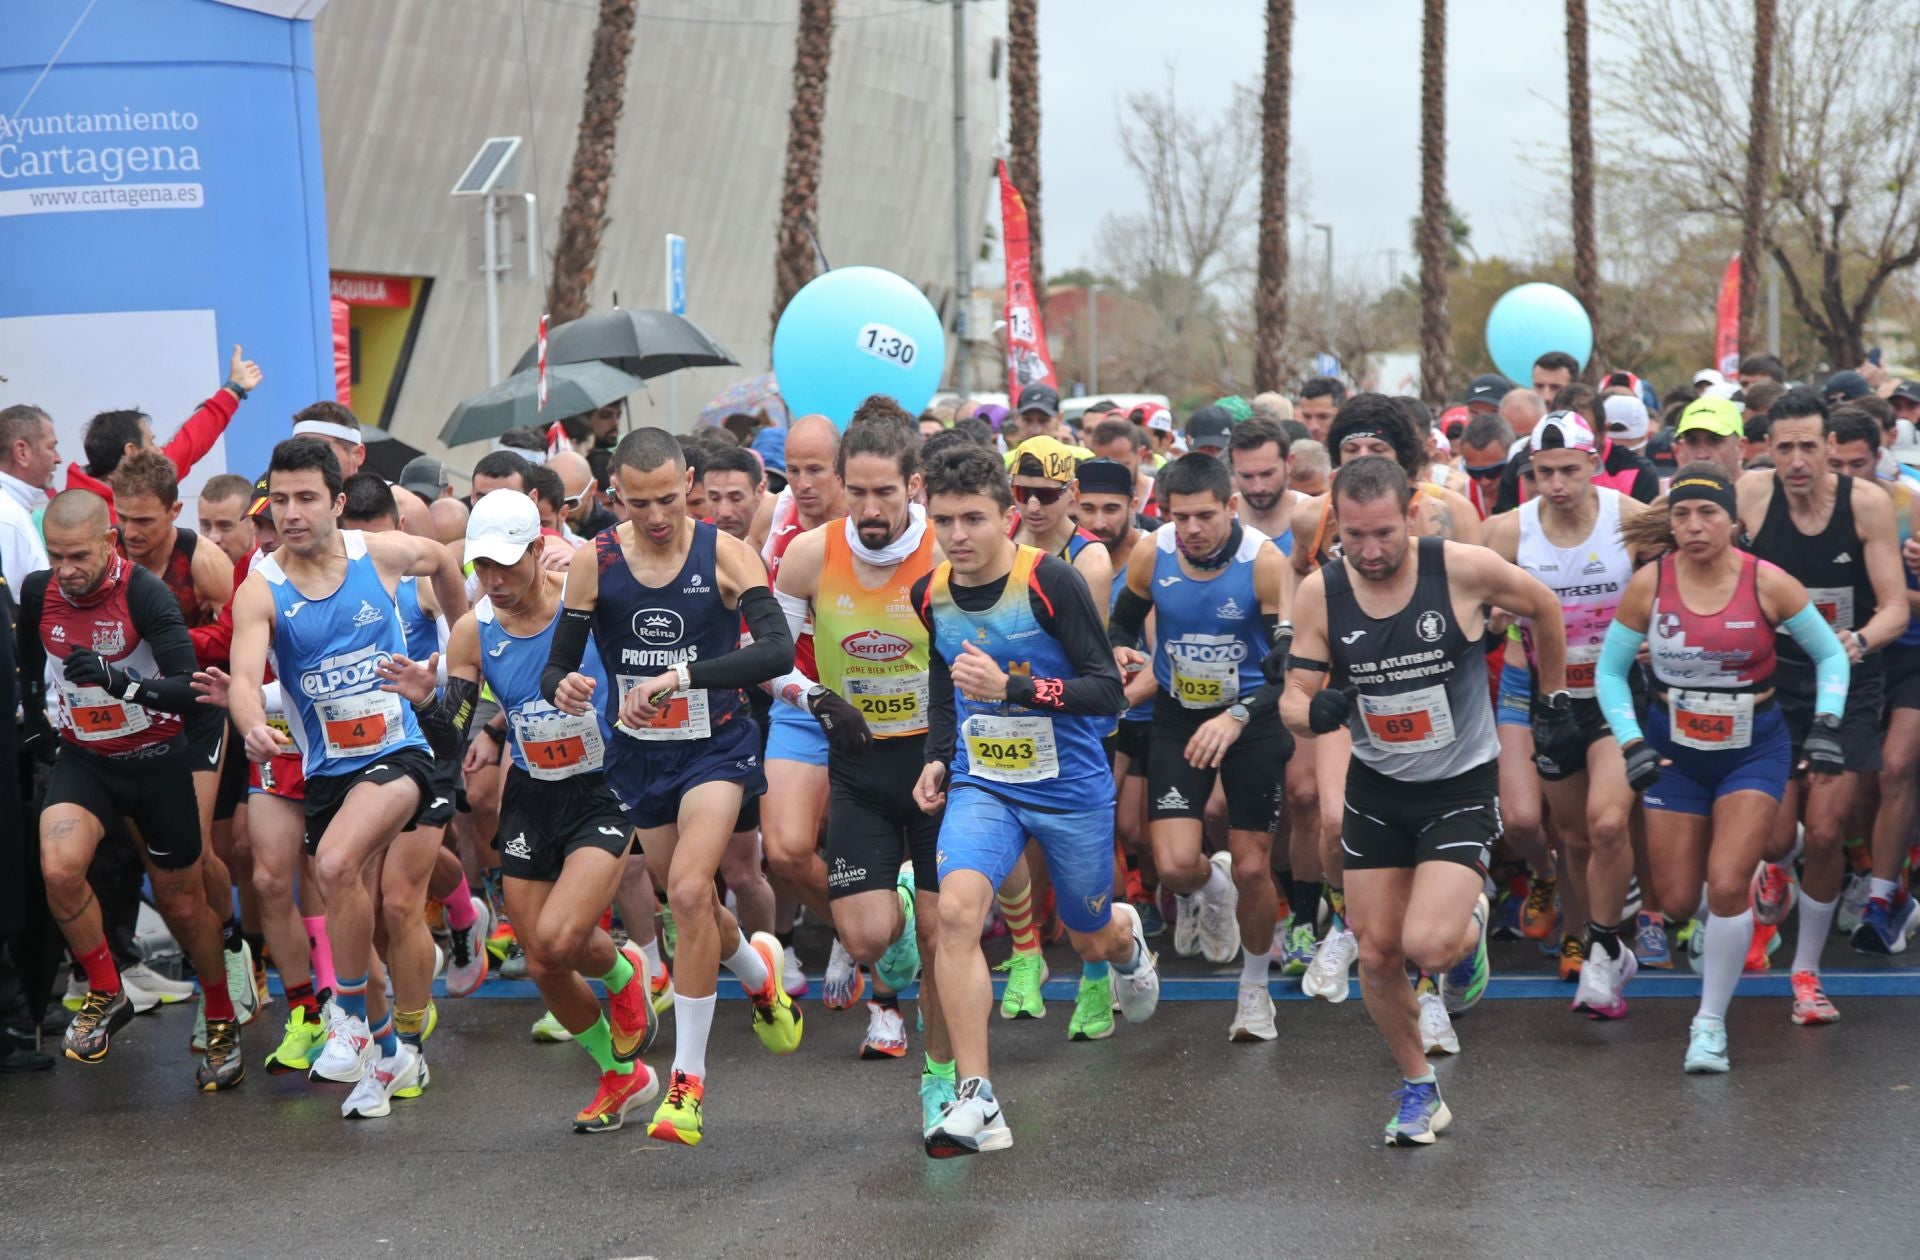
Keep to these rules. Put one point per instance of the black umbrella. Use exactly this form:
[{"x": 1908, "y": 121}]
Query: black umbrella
[
  {"x": 386, "y": 454},
  {"x": 644, "y": 343},
  {"x": 572, "y": 388}
]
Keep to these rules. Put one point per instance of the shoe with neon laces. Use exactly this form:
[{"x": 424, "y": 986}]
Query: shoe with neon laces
[
  {"x": 1420, "y": 1116},
  {"x": 1573, "y": 957},
  {"x": 302, "y": 1040},
  {"x": 897, "y": 967},
  {"x": 1856, "y": 890},
  {"x": 1436, "y": 1028},
  {"x": 1772, "y": 892},
  {"x": 886, "y": 1033},
  {"x": 246, "y": 999},
  {"x": 936, "y": 1092},
  {"x": 629, "y": 1011},
  {"x": 467, "y": 954},
  {"x": 794, "y": 979},
  {"x": 1766, "y": 943},
  {"x": 1327, "y": 974},
  {"x": 1025, "y": 974},
  {"x": 1092, "y": 1018},
  {"x": 147, "y": 980},
  {"x": 845, "y": 982},
  {"x": 1253, "y": 1015},
  {"x": 970, "y": 1124},
  {"x": 225, "y": 1066},
  {"x": 1706, "y": 1046},
  {"x": 677, "y": 1119},
  {"x": 349, "y": 1050},
  {"x": 1293, "y": 946},
  {"x": 1603, "y": 981},
  {"x": 1810, "y": 1004},
  {"x": 1537, "y": 912},
  {"x": 550, "y": 1031},
  {"x": 776, "y": 1020},
  {"x": 1650, "y": 943},
  {"x": 89, "y": 1034},
  {"x": 1186, "y": 925},
  {"x": 1887, "y": 926},
  {"x": 618, "y": 1094},
  {"x": 1137, "y": 993},
  {"x": 660, "y": 989},
  {"x": 1462, "y": 985},
  {"x": 1219, "y": 928},
  {"x": 385, "y": 1078}
]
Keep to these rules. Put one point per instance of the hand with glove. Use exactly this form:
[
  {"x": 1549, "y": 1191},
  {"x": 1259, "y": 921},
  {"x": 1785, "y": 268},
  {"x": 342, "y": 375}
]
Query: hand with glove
[
  {"x": 845, "y": 726},
  {"x": 1556, "y": 733},
  {"x": 1643, "y": 764},
  {"x": 1822, "y": 753},
  {"x": 1329, "y": 710},
  {"x": 86, "y": 668}
]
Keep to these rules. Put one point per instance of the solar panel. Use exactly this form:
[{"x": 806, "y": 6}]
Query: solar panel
[{"x": 487, "y": 166}]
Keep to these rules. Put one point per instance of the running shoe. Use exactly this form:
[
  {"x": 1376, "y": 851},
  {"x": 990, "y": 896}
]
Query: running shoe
[
  {"x": 76, "y": 988},
  {"x": 776, "y": 1020},
  {"x": 1603, "y": 981},
  {"x": 224, "y": 1067},
  {"x": 246, "y": 999},
  {"x": 1092, "y": 1018},
  {"x": 1138, "y": 993},
  {"x": 936, "y": 1092},
  {"x": 970, "y": 1124},
  {"x": 1856, "y": 889},
  {"x": 677, "y": 1119},
  {"x": 1887, "y": 926},
  {"x": 794, "y": 979},
  {"x": 385, "y": 1077},
  {"x": 669, "y": 933},
  {"x": 1691, "y": 939},
  {"x": 1186, "y": 925},
  {"x": 467, "y": 954},
  {"x": 1420, "y": 1117},
  {"x": 1026, "y": 972},
  {"x": 886, "y": 1033},
  {"x": 1766, "y": 943},
  {"x": 500, "y": 939},
  {"x": 845, "y": 981},
  {"x": 90, "y": 1034},
  {"x": 302, "y": 1040},
  {"x": 548, "y": 1030},
  {"x": 1463, "y": 984},
  {"x": 660, "y": 987},
  {"x": 147, "y": 980},
  {"x": 619, "y": 1093},
  {"x": 1436, "y": 1029},
  {"x": 1650, "y": 943},
  {"x": 1773, "y": 894},
  {"x": 1706, "y": 1046},
  {"x": 349, "y": 1051},
  {"x": 1219, "y": 928},
  {"x": 1632, "y": 905},
  {"x": 897, "y": 967},
  {"x": 1253, "y": 1016},
  {"x": 1326, "y": 976},
  {"x": 1536, "y": 915},
  {"x": 514, "y": 965},
  {"x": 418, "y": 1086},
  {"x": 1573, "y": 956},
  {"x": 1810, "y": 1004},
  {"x": 1506, "y": 919},
  {"x": 628, "y": 1011},
  {"x": 1148, "y": 908}
]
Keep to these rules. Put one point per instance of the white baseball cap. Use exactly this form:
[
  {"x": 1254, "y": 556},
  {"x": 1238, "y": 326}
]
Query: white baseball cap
[
  {"x": 1708, "y": 376},
  {"x": 502, "y": 526},
  {"x": 1626, "y": 417}
]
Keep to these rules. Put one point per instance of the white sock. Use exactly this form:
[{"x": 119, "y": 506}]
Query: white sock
[
  {"x": 1724, "y": 954},
  {"x": 1217, "y": 885},
  {"x": 1254, "y": 968},
  {"x": 692, "y": 1021},
  {"x": 1882, "y": 889},
  {"x": 1816, "y": 920},
  {"x": 652, "y": 950},
  {"x": 748, "y": 966}
]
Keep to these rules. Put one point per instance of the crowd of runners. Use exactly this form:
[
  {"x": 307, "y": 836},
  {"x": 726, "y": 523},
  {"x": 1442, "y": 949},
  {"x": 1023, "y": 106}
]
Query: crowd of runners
[{"x": 1315, "y": 684}]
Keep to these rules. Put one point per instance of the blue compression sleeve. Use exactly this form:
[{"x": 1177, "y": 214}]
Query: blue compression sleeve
[
  {"x": 1831, "y": 669},
  {"x": 1617, "y": 655}
]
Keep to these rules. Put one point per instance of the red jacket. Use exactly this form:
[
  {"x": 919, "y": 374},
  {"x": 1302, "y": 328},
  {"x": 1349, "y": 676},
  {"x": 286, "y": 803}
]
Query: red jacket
[
  {"x": 213, "y": 642},
  {"x": 185, "y": 448}
]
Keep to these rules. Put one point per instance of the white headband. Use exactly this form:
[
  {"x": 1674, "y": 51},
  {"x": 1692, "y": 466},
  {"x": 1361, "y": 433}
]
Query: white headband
[
  {"x": 327, "y": 428},
  {"x": 531, "y": 456}
]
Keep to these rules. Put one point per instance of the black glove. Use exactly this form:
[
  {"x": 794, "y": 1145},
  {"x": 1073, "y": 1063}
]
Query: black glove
[
  {"x": 1643, "y": 765},
  {"x": 1329, "y": 710},
  {"x": 1822, "y": 748},
  {"x": 846, "y": 726},
  {"x": 1556, "y": 735},
  {"x": 85, "y": 668}
]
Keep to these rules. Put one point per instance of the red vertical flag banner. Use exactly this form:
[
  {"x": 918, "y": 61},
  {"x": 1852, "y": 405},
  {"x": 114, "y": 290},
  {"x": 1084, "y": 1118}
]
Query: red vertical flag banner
[
  {"x": 1027, "y": 359},
  {"x": 341, "y": 314},
  {"x": 1726, "y": 337}
]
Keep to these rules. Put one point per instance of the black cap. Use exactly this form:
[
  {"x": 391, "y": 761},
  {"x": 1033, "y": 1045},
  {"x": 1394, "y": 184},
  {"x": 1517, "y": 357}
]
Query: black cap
[
  {"x": 1846, "y": 386},
  {"x": 1040, "y": 398},
  {"x": 1209, "y": 426},
  {"x": 1489, "y": 389},
  {"x": 1104, "y": 476},
  {"x": 1909, "y": 390}
]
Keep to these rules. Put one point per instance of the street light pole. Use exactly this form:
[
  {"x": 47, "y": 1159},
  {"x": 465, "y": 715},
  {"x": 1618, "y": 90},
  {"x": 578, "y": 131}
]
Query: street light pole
[
  {"x": 1326, "y": 289},
  {"x": 490, "y": 260},
  {"x": 1093, "y": 339},
  {"x": 962, "y": 262}
]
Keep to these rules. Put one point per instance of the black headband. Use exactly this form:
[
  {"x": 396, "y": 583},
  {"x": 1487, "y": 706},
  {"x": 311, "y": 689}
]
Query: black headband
[{"x": 1704, "y": 486}]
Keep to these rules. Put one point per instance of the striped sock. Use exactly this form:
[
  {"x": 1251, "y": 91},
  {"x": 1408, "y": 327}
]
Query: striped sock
[
  {"x": 383, "y": 1036},
  {"x": 350, "y": 993},
  {"x": 1017, "y": 910}
]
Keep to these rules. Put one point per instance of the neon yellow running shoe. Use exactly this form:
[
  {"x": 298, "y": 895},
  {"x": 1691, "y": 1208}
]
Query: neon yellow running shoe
[
  {"x": 678, "y": 1116},
  {"x": 550, "y": 1030},
  {"x": 1025, "y": 974},
  {"x": 302, "y": 1041},
  {"x": 776, "y": 1020},
  {"x": 660, "y": 985},
  {"x": 1092, "y": 1010}
]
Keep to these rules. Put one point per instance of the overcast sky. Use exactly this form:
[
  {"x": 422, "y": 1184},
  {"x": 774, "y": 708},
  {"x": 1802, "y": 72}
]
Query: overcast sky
[{"x": 1356, "y": 112}]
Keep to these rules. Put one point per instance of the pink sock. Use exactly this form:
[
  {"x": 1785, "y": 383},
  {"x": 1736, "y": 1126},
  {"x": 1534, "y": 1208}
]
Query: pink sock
[
  {"x": 459, "y": 905},
  {"x": 320, "y": 952}
]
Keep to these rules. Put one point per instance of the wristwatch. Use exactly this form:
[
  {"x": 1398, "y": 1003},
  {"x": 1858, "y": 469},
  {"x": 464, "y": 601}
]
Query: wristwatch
[
  {"x": 1561, "y": 700},
  {"x": 1239, "y": 713},
  {"x": 815, "y": 692}
]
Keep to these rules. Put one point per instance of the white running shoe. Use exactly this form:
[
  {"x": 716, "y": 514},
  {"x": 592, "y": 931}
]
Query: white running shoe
[
  {"x": 886, "y": 1034},
  {"x": 1436, "y": 1029},
  {"x": 77, "y": 987},
  {"x": 794, "y": 977},
  {"x": 1600, "y": 994},
  {"x": 1219, "y": 929},
  {"x": 148, "y": 980},
  {"x": 385, "y": 1077},
  {"x": 970, "y": 1124},
  {"x": 844, "y": 982},
  {"x": 1139, "y": 993},
  {"x": 1253, "y": 1021},
  {"x": 142, "y": 998},
  {"x": 246, "y": 998},
  {"x": 1326, "y": 976},
  {"x": 468, "y": 969},
  {"x": 1186, "y": 925},
  {"x": 349, "y": 1051}
]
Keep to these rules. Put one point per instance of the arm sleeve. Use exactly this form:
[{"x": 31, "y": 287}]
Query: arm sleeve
[
  {"x": 1617, "y": 655},
  {"x": 940, "y": 713},
  {"x": 457, "y": 700},
  {"x": 156, "y": 615},
  {"x": 202, "y": 429},
  {"x": 563, "y": 654},
  {"x": 1831, "y": 669},
  {"x": 1064, "y": 608},
  {"x": 792, "y": 686},
  {"x": 768, "y": 656},
  {"x": 1129, "y": 615}
]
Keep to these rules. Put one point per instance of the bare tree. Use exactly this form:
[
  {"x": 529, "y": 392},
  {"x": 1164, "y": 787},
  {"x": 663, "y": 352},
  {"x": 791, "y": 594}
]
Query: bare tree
[
  {"x": 1270, "y": 297},
  {"x": 1586, "y": 263},
  {"x": 1842, "y": 191},
  {"x": 1023, "y": 120},
  {"x": 794, "y": 258},
  {"x": 583, "y": 220},
  {"x": 1753, "y": 192},
  {"x": 1436, "y": 356}
]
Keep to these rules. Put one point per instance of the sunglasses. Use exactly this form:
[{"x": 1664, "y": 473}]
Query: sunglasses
[
  {"x": 1487, "y": 472},
  {"x": 573, "y": 500},
  {"x": 1045, "y": 496}
]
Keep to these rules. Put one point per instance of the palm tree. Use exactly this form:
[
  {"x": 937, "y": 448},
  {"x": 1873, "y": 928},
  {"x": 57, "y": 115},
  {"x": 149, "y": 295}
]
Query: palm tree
[
  {"x": 1023, "y": 121},
  {"x": 1436, "y": 357},
  {"x": 1270, "y": 298},
  {"x": 794, "y": 257},
  {"x": 583, "y": 219},
  {"x": 1753, "y": 199},
  {"x": 1586, "y": 263}
]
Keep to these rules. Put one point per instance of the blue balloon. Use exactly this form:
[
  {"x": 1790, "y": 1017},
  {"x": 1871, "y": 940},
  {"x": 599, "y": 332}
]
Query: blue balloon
[
  {"x": 852, "y": 333},
  {"x": 1532, "y": 319}
]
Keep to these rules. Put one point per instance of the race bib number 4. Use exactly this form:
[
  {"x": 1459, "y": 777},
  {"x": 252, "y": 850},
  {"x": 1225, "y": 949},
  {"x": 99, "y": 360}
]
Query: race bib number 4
[
  {"x": 1412, "y": 721},
  {"x": 1010, "y": 749},
  {"x": 97, "y": 715},
  {"x": 358, "y": 726},
  {"x": 1711, "y": 721},
  {"x": 558, "y": 745},
  {"x": 683, "y": 716},
  {"x": 892, "y": 706}
]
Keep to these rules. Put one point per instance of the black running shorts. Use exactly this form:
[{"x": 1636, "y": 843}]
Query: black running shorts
[
  {"x": 873, "y": 824},
  {"x": 154, "y": 794},
  {"x": 1253, "y": 769},
  {"x": 1392, "y": 825},
  {"x": 543, "y": 821},
  {"x": 326, "y": 793}
]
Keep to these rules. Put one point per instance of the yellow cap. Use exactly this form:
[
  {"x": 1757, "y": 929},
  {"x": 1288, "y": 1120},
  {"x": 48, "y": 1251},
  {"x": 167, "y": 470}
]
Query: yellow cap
[
  {"x": 1714, "y": 415},
  {"x": 1047, "y": 457}
]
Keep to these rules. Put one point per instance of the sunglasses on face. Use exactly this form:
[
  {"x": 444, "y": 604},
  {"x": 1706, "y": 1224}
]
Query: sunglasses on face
[
  {"x": 1045, "y": 496},
  {"x": 1487, "y": 472}
]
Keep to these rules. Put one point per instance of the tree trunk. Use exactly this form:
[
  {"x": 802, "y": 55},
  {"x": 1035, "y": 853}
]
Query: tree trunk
[
  {"x": 1753, "y": 198},
  {"x": 1270, "y": 298},
  {"x": 1436, "y": 352},
  {"x": 794, "y": 258},
  {"x": 584, "y": 218},
  {"x": 1586, "y": 263},
  {"x": 1023, "y": 121}
]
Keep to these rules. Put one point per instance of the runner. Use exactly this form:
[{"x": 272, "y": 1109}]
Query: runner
[
  {"x": 1715, "y": 753},
  {"x": 1569, "y": 537},
  {"x": 323, "y": 605},
  {"x": 1021, "y": 679},
  {"x": 1387, "y": 645},
  {"x": 124, "y": 679},
  {"x": 852, "y": 579},
  {"x": 663, "y": 593},
  {"x": 1214, "y": 587}
]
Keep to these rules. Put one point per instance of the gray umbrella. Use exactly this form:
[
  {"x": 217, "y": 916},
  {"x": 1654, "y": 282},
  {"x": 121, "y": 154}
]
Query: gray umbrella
[
  {"x": 572, "y": 388},
  {"x": 645, "y": 343}
]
